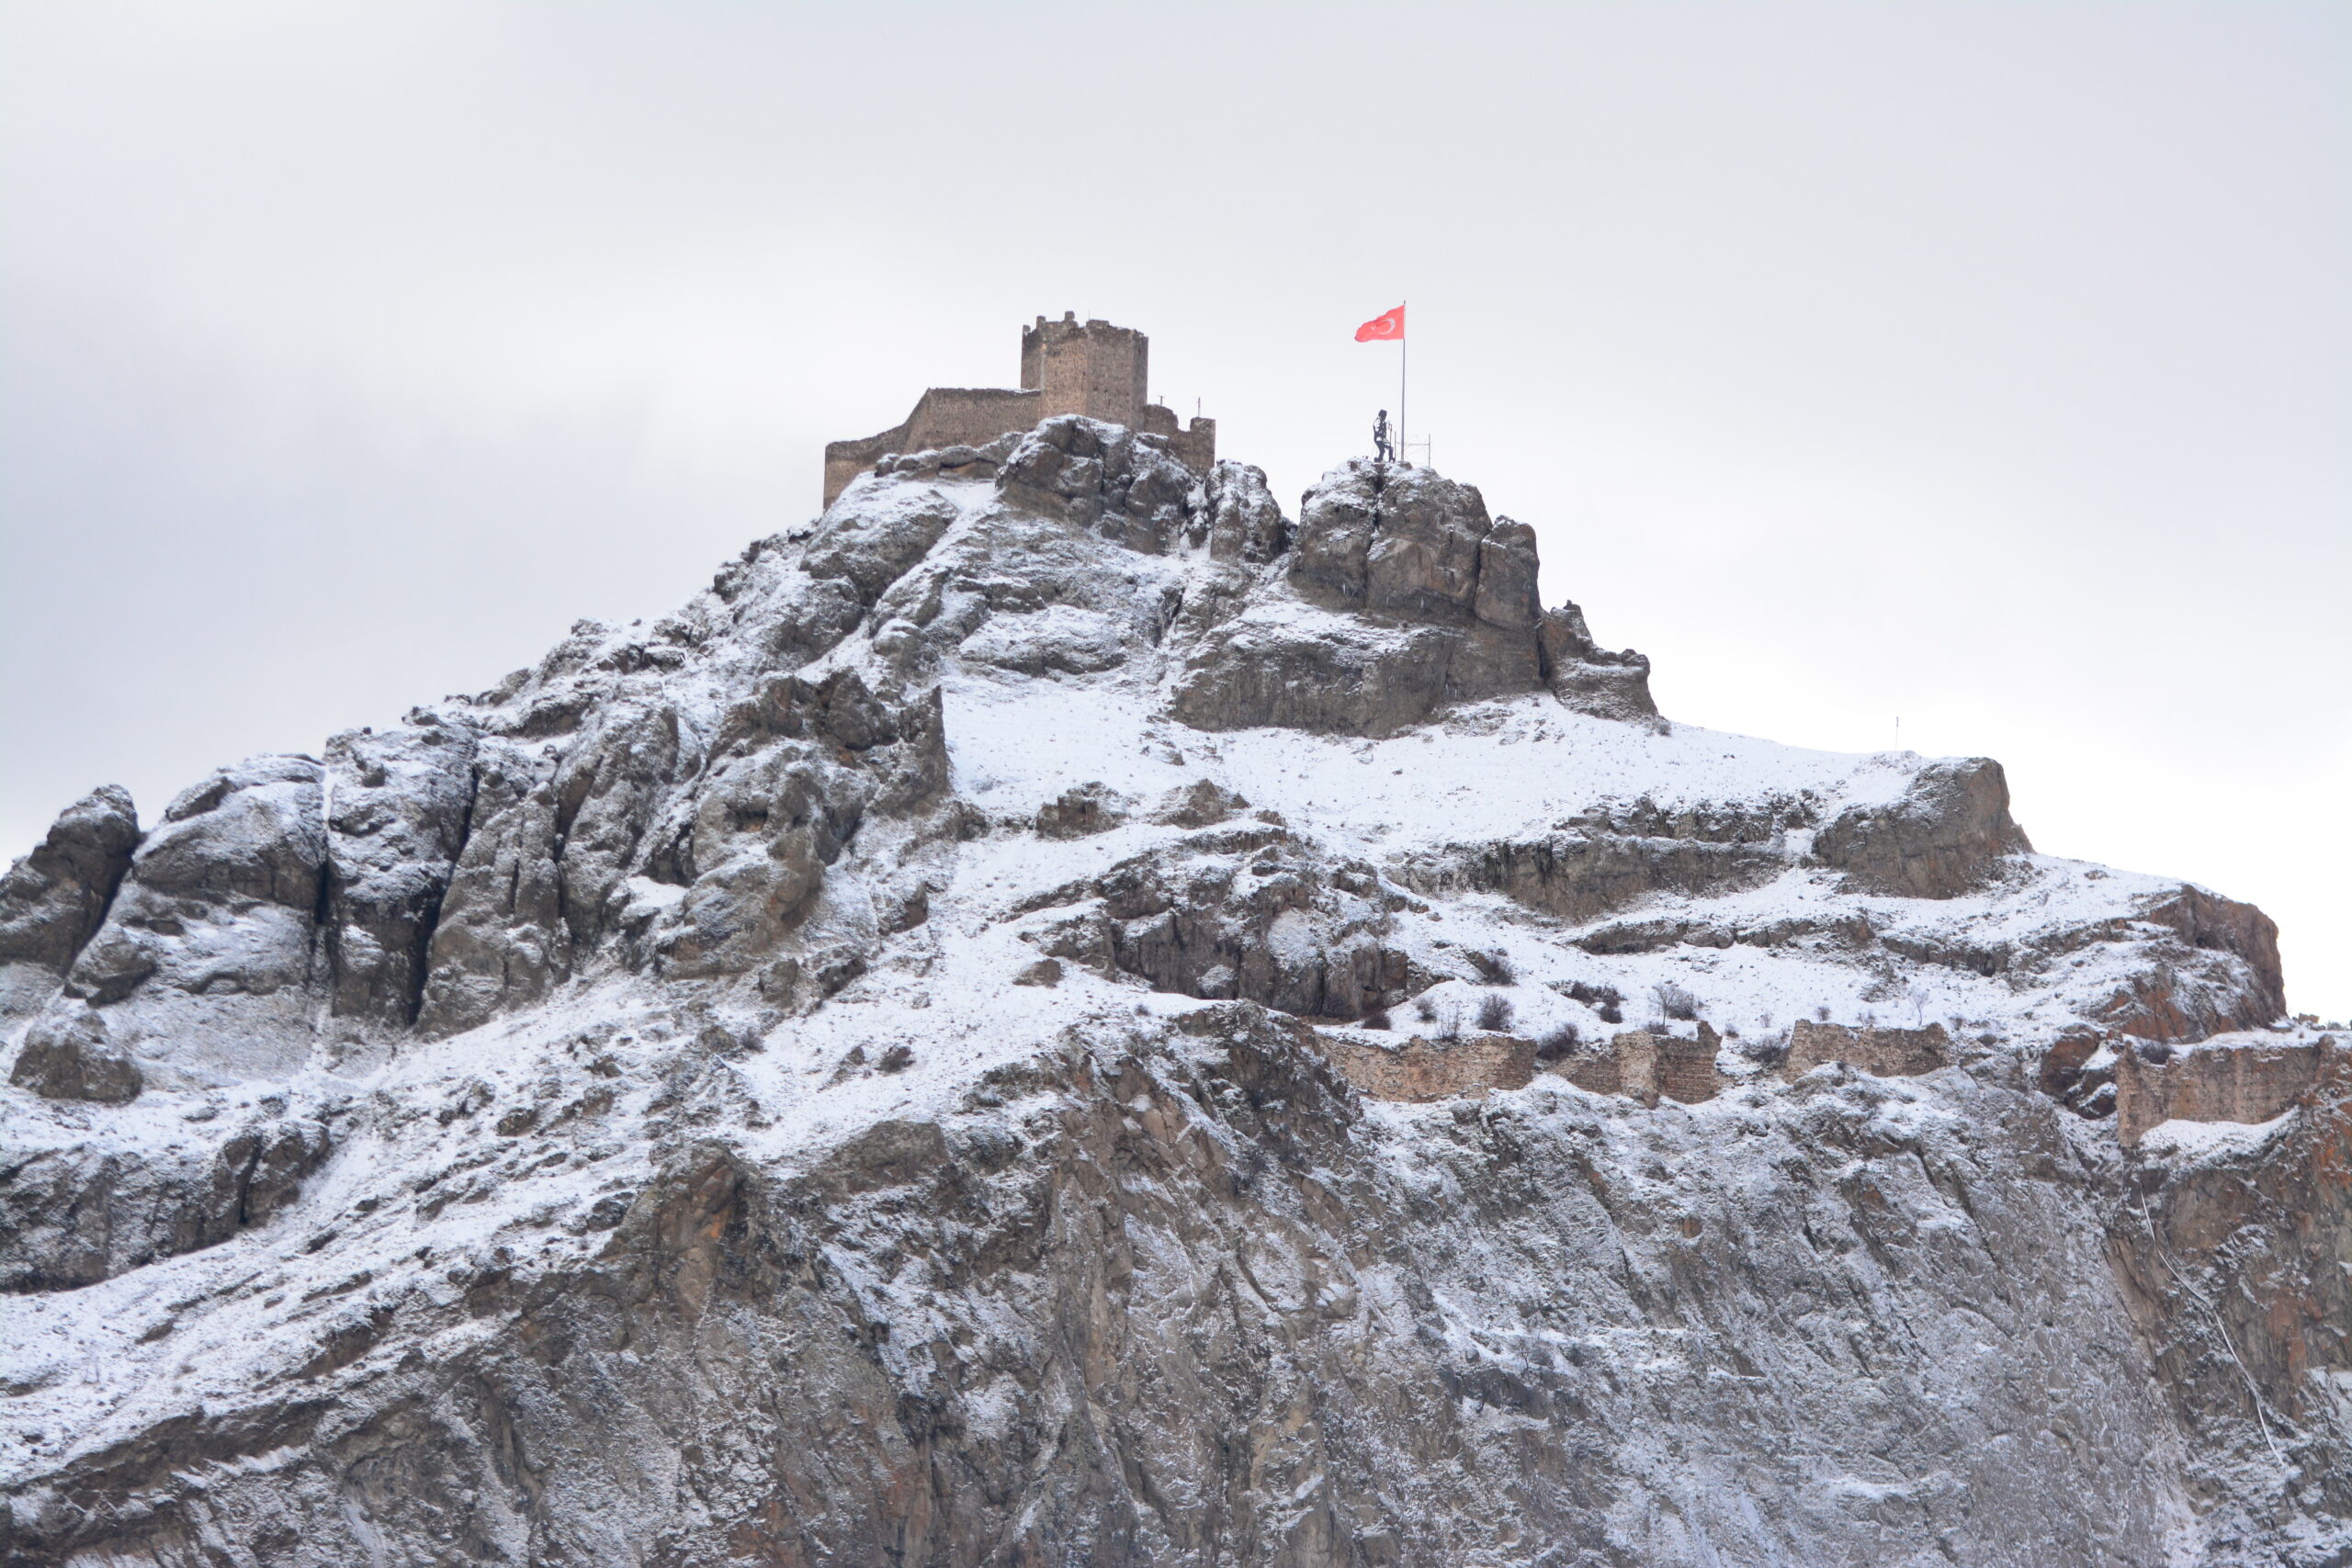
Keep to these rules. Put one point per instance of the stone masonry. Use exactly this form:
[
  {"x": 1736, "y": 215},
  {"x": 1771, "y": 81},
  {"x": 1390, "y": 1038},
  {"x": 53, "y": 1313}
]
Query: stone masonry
[
  {"x": 1650, "y": 1068},
  {"x": 2240, "y": 1079},
  {"x": 1883, "y": 1052},
  {"x": 1067, "y": 368},
  {"x": 1418, "y": 1070}
]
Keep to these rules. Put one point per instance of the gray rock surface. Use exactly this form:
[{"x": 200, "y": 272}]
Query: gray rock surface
[
  {"x": 1946, "y": 836},
  {"x": 66, "y": 1056},
  {"x": 74, "y": 1213},
  {"x": 401, "y": 806},
  {"x": 1247, "y": 912},
  {"x": 1424, "y": 601},
  {"x": 53, "y": 900}
]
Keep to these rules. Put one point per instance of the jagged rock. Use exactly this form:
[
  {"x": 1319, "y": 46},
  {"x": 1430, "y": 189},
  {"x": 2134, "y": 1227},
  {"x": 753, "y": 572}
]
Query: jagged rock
[
  {"x": 1452, "y": 617},
  {"x": 501, "y": 940},
  {"x": 1076, "y": 812},
  {"x": 1200, "y": 803},
  {"x": 2209, "y": 921},
  {"x": 73, "y": 1214},
  {"x": 1240, "y": 521},
  {"x": 1581, "y": 875},
  {"x": 1253, "y": 913},
  {"x": 1945, "y": 836},
  {"x": 206, "y": 964},
  {"x": 1590, "y": 678},
  {"x": 66, "y": 1056},
  {"x": 873, "y": 546},
  {"x": 53, "y": 900},
  {"x": 402, "y": 804},
  {"x": 2079, "y": 1064}
]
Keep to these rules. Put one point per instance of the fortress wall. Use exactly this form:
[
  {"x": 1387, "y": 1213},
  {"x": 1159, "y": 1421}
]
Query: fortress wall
[
  {"x": 969, "y": 416},
  {"x": 1650, "y": 1068},
  {"x": 1420, "y": 1070},
  {"x": 844, "y": 460},
  {"x": 2250, "y": 1081},
  {"x": 1196, "y": 448},
  {"x": 944, "y": 416},
  {"x": 1884, "y": 1053}
]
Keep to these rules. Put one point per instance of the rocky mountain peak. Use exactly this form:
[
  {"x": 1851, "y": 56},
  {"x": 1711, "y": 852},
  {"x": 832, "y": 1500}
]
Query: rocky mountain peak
[{"x": 1060, "y": 1012}]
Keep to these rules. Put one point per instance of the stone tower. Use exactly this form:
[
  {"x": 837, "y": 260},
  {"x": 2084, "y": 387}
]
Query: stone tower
[{"x": 1096, "y": 369}]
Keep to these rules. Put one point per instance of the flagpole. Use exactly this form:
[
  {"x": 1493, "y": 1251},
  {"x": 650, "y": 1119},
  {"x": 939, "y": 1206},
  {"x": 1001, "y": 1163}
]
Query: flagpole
[{"x": 1401, "y": 353}]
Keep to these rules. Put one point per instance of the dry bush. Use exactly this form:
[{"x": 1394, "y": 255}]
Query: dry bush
[{"x": 1494, "y": 1013}]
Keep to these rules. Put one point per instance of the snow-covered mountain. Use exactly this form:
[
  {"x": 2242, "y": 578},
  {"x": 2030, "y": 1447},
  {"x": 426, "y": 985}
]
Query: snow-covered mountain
[{"x": 1061, "y": 1015}]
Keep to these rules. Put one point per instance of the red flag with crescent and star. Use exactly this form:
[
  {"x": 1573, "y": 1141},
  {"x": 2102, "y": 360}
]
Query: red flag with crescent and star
[{"x": 1382, "y": 328}]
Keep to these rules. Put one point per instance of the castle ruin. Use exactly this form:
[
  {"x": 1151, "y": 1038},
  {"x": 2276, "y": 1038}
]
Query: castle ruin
[{"x": 1091, "y": 368}]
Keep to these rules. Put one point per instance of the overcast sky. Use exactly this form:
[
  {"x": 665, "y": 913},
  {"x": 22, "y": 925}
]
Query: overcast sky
[{"x": 1983, "y": 365}]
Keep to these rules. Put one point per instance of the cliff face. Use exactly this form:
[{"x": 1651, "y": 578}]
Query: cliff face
[{"x": 868, "y": 1069}]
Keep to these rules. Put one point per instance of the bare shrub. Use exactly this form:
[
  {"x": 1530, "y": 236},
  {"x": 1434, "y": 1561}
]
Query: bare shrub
[
  {"x": 1425, "y": 1009},
  {"x": 1450, "y": 1027},
  {"x": 1674, "y": 1001},
  {"x": 1822, "y": 1013},
  {"x": 1558, "y": 1042},
  {"x": 1494, "y": 1012},
  {"x": 1766, "y": 1050},
  {"x": 1376, "y": 1019},
  {"x": 1611, "y": 1013}
]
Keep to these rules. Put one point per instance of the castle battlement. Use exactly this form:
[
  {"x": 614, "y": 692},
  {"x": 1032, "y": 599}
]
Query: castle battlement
[{"x": 1067, "y": 367}]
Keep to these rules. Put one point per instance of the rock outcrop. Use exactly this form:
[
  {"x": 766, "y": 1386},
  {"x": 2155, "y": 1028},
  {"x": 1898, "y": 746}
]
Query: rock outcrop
[
  {"x": 1410, "y": 599},
  {"x": 1944, "y": 838},
  {"x": 75, "y": 1213},
  {"x": 52, "y": 901}
]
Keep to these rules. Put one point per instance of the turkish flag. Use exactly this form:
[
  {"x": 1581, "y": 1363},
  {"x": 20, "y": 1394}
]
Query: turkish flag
[{"x": 1380, "y": 329}]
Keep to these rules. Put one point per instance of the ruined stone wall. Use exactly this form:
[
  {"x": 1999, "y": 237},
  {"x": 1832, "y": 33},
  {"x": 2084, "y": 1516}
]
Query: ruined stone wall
[
  {"x": 1421, "y": 1070},
  {"x": 1650, "y": 1068},
  {"x": 2247, "y": 1081},
  {"x": 943, "y": 416},
  {"x": 1887, "y": 1052}
]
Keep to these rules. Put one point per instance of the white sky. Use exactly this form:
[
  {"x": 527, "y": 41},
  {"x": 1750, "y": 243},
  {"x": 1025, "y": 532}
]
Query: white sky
[{"x": 1989, "y": 365}]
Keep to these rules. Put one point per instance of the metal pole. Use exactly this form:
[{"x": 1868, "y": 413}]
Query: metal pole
[{"x": 1400, "y": 380}]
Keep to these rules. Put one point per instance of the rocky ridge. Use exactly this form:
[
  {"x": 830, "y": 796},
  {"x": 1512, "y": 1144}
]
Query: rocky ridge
[{"x": 852, "y": 1071}]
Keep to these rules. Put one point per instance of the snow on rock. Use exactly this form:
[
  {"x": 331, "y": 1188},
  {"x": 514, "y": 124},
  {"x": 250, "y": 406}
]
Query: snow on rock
[{"x": 852, "y": 1072}]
